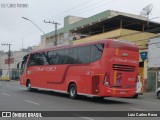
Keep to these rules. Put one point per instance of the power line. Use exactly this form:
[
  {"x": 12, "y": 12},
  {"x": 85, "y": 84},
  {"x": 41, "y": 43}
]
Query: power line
[
  {"x": 79, "y": 5},
  {"x": 83, "y": 10}
]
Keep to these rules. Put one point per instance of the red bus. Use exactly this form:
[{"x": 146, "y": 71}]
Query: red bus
[{"x": 106, "y": 68}]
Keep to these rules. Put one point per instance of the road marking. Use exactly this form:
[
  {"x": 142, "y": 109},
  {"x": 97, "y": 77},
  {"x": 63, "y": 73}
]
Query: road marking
[
  {"x": 87, "y": 118},
  {"x": 5, "y": 94},
  {"x": 10, "y": 86},
  {"x": 149, "y": 102},
  {"x": 32, "y": 102},
  {"x": 136, "y": 109}
]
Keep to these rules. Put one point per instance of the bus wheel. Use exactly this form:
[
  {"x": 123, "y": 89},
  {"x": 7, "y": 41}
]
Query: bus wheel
[
  {"x": 73, "y": 91},
  {"x": 135, "y": 96},
  {"x": 158, "y": 95},
  {"x": 98, "y": 98}
]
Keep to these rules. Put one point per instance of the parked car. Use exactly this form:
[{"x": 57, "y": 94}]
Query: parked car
[
  {"x": 158, "y": 93},
  {"x": 138, "y": 88},
  {"x": 5, "y": 78}
]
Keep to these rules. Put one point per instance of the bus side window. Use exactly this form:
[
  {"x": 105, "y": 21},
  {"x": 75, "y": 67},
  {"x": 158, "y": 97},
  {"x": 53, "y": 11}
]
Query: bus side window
[
  {"x": 61, "y": 56},
  {"x": 56, "y": 57},
  {"x": 71, "y": 56},
  {"x": 84, "y": 54},
  {"x": 31, "y": 61},
  {"x": 36, "y": 59},
  {"x": 96, "y": 52}
]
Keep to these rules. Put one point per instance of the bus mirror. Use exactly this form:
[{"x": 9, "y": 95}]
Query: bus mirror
[{"x": 18, "y": 65}]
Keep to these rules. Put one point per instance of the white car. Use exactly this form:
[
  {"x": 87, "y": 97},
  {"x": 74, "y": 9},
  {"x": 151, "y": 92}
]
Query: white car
[
  {"x": 138, "y": 88},
  {"x": 158, "y": 93}
]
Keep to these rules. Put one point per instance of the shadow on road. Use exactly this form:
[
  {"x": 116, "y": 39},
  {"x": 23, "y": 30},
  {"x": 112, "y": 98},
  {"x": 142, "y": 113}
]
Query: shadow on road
[{"x": 80, "y": 98}]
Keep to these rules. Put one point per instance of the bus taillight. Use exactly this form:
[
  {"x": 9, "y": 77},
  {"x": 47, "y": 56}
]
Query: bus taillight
[{"x": 106, "y": 79}]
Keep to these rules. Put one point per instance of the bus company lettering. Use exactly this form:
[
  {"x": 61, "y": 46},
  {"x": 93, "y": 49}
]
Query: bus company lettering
[
  {"x": 131, "y": 79},
  {"x": 124, "y": 60},
  {"x": 44, "y": 69}
]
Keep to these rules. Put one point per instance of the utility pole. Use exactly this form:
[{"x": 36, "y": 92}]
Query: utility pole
[
  {"x": 9, "y": 55},
  {"x": 22, "y": 44},
  {"x": 56, "y": 24}
]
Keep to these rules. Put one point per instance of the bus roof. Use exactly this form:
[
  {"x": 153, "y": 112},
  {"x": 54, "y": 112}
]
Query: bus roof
[{"x": 109, "y": 41}]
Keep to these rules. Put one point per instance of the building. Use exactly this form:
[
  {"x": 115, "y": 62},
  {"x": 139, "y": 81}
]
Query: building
[
  {"x": 154, "y": 63},
  {"x": 16, "y": 57},
  {"x": 108, "y": 24}
]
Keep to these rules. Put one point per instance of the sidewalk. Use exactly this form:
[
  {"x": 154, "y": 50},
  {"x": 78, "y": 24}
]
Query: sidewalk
[{"x": 152, "y": 93}]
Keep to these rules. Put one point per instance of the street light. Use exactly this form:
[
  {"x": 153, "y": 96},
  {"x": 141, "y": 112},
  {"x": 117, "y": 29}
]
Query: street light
[{"x": 35, "y": 25}]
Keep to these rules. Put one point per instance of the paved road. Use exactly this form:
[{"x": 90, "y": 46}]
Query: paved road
[{"x": 13, "y": 97}]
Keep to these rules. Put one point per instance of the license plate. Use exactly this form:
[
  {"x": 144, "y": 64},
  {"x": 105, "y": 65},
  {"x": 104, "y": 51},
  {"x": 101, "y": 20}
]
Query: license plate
[{"x": 122, "y": 92}]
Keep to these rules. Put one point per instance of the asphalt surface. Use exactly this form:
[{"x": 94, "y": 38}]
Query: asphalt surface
[{"x": 14, "y": 97}]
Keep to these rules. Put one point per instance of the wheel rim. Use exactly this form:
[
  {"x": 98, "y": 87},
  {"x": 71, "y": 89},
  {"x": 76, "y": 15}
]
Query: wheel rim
[{"x": 72, "y": 92}]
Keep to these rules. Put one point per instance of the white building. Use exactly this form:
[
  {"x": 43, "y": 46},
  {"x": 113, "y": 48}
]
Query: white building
[
  {"x": 16, "y": 57},
  {"x": 154, "y": 63}
]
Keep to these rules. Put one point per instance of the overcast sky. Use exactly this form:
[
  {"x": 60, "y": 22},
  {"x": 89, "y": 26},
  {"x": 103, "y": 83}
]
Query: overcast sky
[{"x": 13, "y": 28}]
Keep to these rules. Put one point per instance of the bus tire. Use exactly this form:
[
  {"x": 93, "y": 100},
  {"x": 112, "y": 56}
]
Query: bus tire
[
  {"x": 135, "y": 96},
  {"x": 98, "y": 98},
  {"x": 73, "y": 91},
  {"x": 158, "y": 95}
]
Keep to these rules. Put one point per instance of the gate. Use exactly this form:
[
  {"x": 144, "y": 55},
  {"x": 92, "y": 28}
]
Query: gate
[{"x": 151, "y": 81}]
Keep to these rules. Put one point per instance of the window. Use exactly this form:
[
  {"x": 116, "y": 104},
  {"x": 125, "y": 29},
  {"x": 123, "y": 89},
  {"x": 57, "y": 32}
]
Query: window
[
  {"x": 46, "y": 58},
  {"x": 76, "y": 55},
  {"x": 31, "y": 61},
  {"x": 96, "y": 52},
  {"x": 71, "y": 56},
  {"x": 84, "y": 54},
  {"x": 56, "y": 57},
  {"x": 37, "y": 59}
]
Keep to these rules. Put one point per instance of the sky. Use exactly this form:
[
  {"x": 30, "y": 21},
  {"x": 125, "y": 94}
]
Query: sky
[{"x": 22, "y": 33}]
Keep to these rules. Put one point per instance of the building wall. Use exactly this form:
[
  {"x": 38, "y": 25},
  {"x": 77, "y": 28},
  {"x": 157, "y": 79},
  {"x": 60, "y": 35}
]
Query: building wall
[
  {"x": 73, "y": 19},
  {"x": 18, "y": 56},
  {"x": 139, "y": 38},
  {"x": 115, "y": 13},
  {"x": 154, "y": 63},
  {"x": 111, "y": 34},
  {"x": 72, "y": 23}
]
